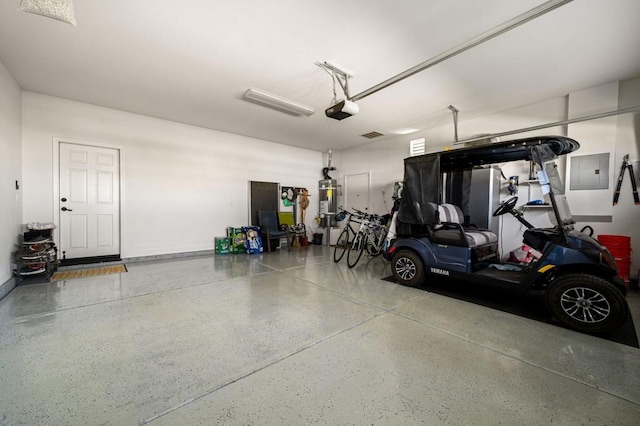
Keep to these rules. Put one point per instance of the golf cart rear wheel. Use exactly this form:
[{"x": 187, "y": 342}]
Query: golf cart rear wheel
[
  {"x": 407, "y": 268},
  {"x": 587, "y": 303}
]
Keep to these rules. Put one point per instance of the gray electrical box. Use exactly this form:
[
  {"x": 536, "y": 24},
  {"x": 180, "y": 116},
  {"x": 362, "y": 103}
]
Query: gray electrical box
[{"x": 589, "y": 172}]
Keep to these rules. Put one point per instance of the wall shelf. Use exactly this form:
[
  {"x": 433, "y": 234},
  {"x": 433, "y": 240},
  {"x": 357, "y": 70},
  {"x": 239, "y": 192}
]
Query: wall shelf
[
  {"x": 537, "y": 206},
  {"x": 37, "y": 259}
]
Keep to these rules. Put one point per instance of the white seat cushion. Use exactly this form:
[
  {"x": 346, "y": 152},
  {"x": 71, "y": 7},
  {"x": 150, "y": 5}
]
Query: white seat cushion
[
  {"x": 480, "y": 237},
  {"x": 475, "y": 237},
  {"x": 450, "y": 213}
]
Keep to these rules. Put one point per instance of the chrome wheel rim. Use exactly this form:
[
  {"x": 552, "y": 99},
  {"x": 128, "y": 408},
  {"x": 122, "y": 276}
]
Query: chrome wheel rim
[
  {"x": 585, "y": 305},
  {"x": 405, "y": 268}
]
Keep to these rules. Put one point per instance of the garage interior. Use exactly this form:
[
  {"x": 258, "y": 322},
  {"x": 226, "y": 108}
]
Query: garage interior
[{"x": 169, "y": 98}]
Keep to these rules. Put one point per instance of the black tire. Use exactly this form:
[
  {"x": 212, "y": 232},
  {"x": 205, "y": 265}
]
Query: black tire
[
  {"x": 357, "y": 247},
  {"x": 587, "y": 303},
  {"x": 407, "y": 268},
  {"x": 342, "y": 245}
]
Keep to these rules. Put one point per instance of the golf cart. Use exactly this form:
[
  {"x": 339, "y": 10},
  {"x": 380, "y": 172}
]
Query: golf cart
[{"x": 435, "y": 236}]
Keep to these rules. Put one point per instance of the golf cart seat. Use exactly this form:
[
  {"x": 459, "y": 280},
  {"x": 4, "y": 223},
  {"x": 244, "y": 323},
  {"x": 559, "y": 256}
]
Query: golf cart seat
[{"x": 451, "y": 232}]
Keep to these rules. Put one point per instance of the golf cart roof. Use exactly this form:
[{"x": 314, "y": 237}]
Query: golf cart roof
[{"x": 499, "y": 152}]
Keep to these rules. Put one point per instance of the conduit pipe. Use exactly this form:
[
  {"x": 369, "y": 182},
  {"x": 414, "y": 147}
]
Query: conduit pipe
[
  {"x": 554, "y": 124},
  {"x": 455, "y": 112}
]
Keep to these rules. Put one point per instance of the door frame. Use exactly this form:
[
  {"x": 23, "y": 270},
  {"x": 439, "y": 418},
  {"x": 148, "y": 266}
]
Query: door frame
[
  {"x": 56, "y": 185},
  {"x": 346, "y": 187}
]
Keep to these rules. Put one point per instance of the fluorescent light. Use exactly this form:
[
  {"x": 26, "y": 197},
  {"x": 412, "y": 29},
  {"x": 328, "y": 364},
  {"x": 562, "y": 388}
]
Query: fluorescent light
[
  {"x": 61, "y": 10},
  {"x": 406, "y": 131},
  {"x": 278, "y": 102}
]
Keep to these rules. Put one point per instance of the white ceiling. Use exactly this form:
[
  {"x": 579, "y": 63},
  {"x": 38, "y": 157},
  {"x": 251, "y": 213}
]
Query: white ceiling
[{"x": 191, "y": 61}]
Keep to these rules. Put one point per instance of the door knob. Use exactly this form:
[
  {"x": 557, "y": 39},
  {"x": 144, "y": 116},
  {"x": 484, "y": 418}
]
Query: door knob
[
  {"x": 63, "y": 199},
  {"x": 64, "y": 209}
]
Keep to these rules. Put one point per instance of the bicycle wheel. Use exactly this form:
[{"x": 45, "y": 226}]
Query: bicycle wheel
[
  {"x": 357, "y": 247},
  {"x": 378, "y": 246},
  {"x": 372, "y": 245},
  {"x": 341, "y": 245}
]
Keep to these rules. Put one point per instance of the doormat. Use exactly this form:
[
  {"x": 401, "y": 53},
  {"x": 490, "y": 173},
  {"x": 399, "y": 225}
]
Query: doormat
[
  {"x": 91, "y": 272},
  {"x": 531, "y": 306}
]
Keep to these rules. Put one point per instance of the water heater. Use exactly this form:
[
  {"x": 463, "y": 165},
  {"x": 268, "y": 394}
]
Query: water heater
[{"x": 328, "y": 196}]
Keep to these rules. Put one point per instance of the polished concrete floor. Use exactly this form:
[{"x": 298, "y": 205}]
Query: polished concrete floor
[{"x": 293, "y": 338}]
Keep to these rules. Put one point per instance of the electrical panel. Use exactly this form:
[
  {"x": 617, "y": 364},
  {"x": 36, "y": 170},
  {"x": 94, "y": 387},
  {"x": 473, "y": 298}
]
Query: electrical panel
[{"x": 589, "y": 172}]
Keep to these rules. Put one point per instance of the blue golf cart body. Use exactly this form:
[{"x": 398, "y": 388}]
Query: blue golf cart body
[{"x": 436, "y": 237}]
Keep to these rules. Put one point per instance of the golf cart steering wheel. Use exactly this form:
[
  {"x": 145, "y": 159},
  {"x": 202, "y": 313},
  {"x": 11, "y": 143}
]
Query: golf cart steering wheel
[{"x": 506, "y": 207}]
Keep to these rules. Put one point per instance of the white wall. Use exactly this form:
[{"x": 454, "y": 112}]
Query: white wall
[
  {"x": 619, "y": 135},
  {"x": 595, "y": 137},
  {"x": 200, "y": 176},
  {"x": 10, "y": 171},
  {"x": 183, "y": 185}
]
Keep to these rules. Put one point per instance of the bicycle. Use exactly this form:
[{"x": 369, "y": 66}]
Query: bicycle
[
  {"x": 379, "y": 230},
  {"x": 371, "y": 236},
  {"x": 346, "y": 236}
]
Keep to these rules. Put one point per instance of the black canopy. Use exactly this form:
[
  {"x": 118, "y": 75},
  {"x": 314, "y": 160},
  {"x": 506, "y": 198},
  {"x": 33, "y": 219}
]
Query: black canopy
[
  {"x": 423, "y": 187},
  {"x": 501, "y": 152}
]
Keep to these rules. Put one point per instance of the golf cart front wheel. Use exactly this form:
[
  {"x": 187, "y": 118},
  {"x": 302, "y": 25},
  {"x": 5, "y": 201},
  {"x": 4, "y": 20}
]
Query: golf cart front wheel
[
  {"x": 587, "y": 303},
  {"x": 407, "y": 268}
]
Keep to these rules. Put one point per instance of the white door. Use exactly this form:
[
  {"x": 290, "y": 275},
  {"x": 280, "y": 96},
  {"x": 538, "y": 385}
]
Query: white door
[
  {"x": 357, "y": 191},
  {"x": 89, "y": 201}
]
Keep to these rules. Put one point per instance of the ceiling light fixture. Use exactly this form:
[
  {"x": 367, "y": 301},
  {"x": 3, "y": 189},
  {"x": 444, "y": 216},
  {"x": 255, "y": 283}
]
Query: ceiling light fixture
[
  {"x": 405, "y": 131},
  {"x": 60, "y": 10},
  {"x": 278, "y": 102}
]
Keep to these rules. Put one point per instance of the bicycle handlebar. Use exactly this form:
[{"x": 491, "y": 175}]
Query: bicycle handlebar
[{"x": 359, "y": 214}]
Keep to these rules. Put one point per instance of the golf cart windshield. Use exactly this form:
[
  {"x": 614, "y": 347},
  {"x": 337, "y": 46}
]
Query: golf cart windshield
[{"x": 552, "y": 185}]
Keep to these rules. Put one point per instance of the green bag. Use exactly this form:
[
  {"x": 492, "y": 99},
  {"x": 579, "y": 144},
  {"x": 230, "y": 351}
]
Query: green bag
[{"x": 222, "y": 245}]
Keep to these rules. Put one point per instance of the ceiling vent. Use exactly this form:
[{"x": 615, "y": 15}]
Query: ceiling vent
[
  {"x": 372, "y": 135},
  {"x": 417, "y": 147}
]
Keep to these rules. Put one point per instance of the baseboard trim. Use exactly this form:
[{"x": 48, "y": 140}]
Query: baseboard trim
[
  {"x": 7, "y": 286},
  {"x": 592, "y": 218},
  {"x": 140, "y": 259}
]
